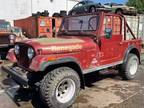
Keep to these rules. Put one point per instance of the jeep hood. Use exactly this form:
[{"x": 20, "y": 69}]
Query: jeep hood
[
  {"x": 57, "y": 45},
  {"x": 55, "y": 41}
]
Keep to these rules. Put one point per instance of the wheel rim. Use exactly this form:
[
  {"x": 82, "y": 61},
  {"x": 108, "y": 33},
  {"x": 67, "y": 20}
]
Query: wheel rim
[
  {"x": 119, "y": 12},
  {"x": 92, "y": 10},
  {"x": 133, "y": 67},
  {"x": 73, "y": 13},
  {"x": 65, "y": 90}
]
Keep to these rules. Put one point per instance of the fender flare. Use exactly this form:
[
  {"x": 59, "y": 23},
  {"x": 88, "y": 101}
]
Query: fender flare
[
  {"x": 45, "y": 65},
  {"x": 129, "y": 49}
]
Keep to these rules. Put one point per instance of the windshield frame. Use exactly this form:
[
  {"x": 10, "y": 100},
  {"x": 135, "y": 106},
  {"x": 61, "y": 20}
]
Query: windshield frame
[{"x": 66, "y": 32}]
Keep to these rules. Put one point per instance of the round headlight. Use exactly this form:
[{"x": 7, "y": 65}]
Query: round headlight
[
  {"x": 16, "y": 49},
  {"x": 11, "y": 37},
  {"x": 30, "y": 53}
]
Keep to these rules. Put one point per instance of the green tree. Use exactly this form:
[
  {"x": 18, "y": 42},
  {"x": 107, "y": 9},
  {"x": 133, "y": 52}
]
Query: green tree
[{"x": 138, "y": 4}]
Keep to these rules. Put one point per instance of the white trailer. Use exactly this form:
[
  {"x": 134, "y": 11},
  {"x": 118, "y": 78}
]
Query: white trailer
[{"x": 136, "y": 24}]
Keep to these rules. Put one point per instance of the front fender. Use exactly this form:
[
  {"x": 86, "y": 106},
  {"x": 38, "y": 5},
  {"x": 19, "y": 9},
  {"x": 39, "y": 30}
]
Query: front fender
[
  {"x": 40, "y": 63},
  {"x": 11, "y": 56},
  {"x": 44, "y": 65}
]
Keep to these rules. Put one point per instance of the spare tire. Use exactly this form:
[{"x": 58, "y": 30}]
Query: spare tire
[
  {"x": 63, "y": 13},
  {"x": 36, "y": 14},
  {"x": 56, "y": 15},
  {"x": 45, "y": 13}
]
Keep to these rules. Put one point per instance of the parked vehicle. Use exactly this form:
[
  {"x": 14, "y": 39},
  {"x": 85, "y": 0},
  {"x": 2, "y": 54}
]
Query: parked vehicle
[
  {"x": 17, "y": 31},
  {"x": 7, "y": 38},
  {"x": 88, "y": 6},
  {"x": 122, "y": 9},
  {"x": 85, "y": 44},
  {"x": 62, "y": 13},
  {"x": 45, "y": 13},
  {"x": 39, "y": 26}
]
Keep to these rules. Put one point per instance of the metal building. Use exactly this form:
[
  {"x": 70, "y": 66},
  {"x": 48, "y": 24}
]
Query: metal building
[{"x": 17, "y": 9}]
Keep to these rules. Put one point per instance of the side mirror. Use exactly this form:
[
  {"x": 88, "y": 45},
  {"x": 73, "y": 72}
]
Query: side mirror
[
  {"x": 24, "y": 33},
  {"x": 108, "y": 33}
]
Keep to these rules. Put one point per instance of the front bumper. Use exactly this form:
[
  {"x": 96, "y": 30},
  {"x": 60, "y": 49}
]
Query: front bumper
[
  {"x": 6, "y": 45},
  {"x": 19, "y": 75}
]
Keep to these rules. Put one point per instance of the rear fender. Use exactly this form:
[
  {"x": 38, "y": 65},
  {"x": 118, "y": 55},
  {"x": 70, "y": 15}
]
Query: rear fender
[{"x": 133, "y": 50}]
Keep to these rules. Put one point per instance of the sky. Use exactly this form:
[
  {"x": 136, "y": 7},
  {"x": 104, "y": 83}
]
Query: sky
[{"x": 107, "y": 1}]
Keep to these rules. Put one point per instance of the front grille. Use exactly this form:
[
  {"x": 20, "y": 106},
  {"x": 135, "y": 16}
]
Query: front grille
[
  {"x": 4, "y": 40},
  {"x": 22, "y": 57}
]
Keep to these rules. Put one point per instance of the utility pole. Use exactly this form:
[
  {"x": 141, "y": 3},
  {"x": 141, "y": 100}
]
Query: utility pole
[
  {"x": 31, "y": 7},
  {"x": 67, "y": 5}
]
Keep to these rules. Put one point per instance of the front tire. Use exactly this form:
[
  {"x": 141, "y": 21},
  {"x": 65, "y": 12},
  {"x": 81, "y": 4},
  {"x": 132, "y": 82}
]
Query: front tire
[
  {"x": 60, "y": 87},
  {"x": 128, "y": 69}
]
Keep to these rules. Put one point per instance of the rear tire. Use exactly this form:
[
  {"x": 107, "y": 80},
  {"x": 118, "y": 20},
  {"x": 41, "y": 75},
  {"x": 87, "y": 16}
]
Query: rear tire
[
  {"x": 128, "y": 69},
  {"x": 60, "y": 87}
]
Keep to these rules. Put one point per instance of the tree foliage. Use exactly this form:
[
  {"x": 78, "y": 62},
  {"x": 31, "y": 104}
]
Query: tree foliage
[{"x": 139, "y": 4}]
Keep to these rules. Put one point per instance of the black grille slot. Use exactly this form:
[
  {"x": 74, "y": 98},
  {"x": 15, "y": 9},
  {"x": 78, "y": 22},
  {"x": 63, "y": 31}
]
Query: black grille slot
[
  {"x": 4, "y": 40},
  {"x": 23, "y": 59}
]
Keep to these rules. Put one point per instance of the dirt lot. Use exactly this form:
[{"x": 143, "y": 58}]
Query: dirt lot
[{"x": 102, "y": 91}]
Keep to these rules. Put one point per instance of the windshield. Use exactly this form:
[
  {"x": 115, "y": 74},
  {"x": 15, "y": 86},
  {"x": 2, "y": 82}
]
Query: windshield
[
  {"x": 5, "y": 25},
  {"x": 89, "y": 2},
  {"x": 16, "y": 30},
  {"x": 79, "y": 4},
  {"x": 77, "y": 24}
]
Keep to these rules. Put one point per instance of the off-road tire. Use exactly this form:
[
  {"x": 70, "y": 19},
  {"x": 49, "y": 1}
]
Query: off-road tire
[
  {"x": 56, "y": 15},
  {"x": 119, "y": 11},
  {"x": 50, "y": 83},
  {"x": 63, "y": 13},
  {"x": 124, "y": 69},
  {"x": 92, "y": 9}
]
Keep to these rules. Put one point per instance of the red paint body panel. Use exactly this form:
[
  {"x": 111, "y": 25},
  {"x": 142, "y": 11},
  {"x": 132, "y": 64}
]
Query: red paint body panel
[
  {"x": 11, "y": 56},
  {"x": 83, "y": 56}
]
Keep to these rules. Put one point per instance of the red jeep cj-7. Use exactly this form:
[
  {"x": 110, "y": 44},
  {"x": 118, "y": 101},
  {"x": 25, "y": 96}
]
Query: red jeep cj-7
[{"x": 86, "y": 43}]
